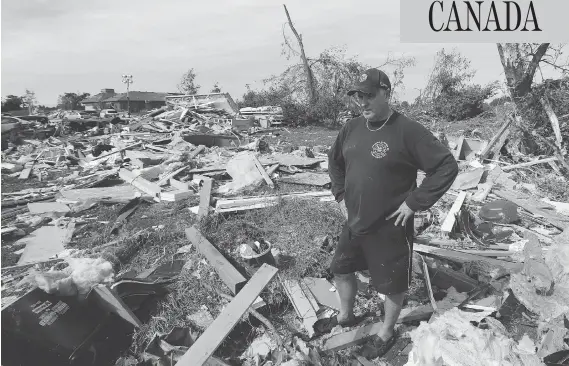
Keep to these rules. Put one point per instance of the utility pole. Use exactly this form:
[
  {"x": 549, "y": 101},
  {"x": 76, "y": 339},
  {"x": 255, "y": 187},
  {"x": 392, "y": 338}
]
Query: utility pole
[{"x": 127, "y": 79}]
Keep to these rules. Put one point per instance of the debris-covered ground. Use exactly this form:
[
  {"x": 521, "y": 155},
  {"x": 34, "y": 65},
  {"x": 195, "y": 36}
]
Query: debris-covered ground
[{"x": 189, "y": 234}]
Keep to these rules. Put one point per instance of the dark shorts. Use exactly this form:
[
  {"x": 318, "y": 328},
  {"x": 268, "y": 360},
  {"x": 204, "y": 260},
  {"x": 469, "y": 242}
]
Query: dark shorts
[{"x": 386, "y": 253}]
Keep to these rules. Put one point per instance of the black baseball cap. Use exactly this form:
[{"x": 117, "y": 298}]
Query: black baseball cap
[{"x": 370, "y": 82}]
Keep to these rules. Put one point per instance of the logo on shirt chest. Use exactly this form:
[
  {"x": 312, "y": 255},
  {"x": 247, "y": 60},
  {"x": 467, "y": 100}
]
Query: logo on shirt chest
[{"x": 379, "y": 149}]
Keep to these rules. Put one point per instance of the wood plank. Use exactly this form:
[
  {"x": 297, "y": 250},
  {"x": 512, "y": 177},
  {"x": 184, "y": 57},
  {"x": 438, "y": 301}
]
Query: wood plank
[
  {"x": 458, "y": 150},
  {"x": 450, "y": 219},
  {"x": 536, "y": 207},
  {"x": 359, "y": 335},
  {"x": 164, "y": 180},
  {"x": 465, "y": 257},
  {"x": 205, "y": 198},
  {"x": 181, "y": 186},
  {"x": 225, "y": 205},
  {"x": 140, "y": 183},
  {"x": 176, "y": 196},
  {"x": 263, "y": 172},
  {"x": 116, "y": 152},
  {"x": 124, "y": 193},
  {"x": 428, "y": 283},
  {"x": 307, "y": 178},
  {"x": 320, "y": 288},
  {"x": 499, "y": 136},
  {"x": 25, "y": 173},
  {"x": 444, "y": 278},
  {"x": 553, "y": 120},
  {"x": 488, "y": 253},
  {"x": 351, "y": 338},
  {"x": 109, "y": 300},
  {"x": 46, "y": 207},
  {"x": 529, "y": 163},
  {"x": 207, "y": 343},
  {"x": 228, "y": 274},
  {"x": 302, "y": 305}
]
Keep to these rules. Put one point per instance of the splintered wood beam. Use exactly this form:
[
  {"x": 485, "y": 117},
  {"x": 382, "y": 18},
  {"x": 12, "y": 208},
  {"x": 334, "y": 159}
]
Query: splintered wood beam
[
  {"x": 529, "y": 163},
  {"x": 263, "y": 172},
  {"x": 553, "y": 119},
  {"x": 207, "y": 343},
  {"x": 302, "y": 304},
  {"x": 228, "y": 274},
  {"x": 462, "y": 257},
  {"x": 450, "y": 219},
  {"x": 205, "y": 197},
  {"x": 498, "y": 139},
  {"x": 138, "y": 182}
]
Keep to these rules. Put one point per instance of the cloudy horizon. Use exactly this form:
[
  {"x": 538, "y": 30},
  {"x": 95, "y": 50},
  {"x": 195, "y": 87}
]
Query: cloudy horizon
[{"x": 53, "y": 47}]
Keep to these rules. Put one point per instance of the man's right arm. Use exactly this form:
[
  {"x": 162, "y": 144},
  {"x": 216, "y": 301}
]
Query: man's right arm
[{"x": 337, "y": 166}]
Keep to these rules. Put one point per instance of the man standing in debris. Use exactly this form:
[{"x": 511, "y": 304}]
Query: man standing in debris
[{"x": 373, "y": 166}]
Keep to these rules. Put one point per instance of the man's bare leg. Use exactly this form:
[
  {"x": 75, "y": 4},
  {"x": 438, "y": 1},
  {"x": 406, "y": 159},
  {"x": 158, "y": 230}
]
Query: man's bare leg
[
  {"x": 393, "y": 305},
  {"x": 347, "y": 287}
]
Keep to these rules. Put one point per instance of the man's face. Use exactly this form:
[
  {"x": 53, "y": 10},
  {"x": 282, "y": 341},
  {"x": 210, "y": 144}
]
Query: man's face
[{"x": 373, "y": 105}]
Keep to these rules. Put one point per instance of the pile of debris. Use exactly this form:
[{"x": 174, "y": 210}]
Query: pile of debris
[{"x": 493, "y": 258}]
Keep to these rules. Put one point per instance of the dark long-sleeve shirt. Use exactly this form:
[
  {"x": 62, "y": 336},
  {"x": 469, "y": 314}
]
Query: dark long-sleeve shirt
[{"x": 375, "y": 171}]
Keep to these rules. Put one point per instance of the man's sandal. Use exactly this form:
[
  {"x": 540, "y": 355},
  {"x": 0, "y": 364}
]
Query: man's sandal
[
  {"x": 377, "y": 347},
  {"x": 325, "y": 325}
]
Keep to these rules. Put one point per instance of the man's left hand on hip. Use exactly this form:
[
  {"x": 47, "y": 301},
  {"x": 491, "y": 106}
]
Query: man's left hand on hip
[{"x": 403, "y": 214}]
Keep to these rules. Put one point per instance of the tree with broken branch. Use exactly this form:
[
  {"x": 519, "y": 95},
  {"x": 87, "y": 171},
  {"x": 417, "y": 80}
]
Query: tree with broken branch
[
  {"x": 537, "y": 105},
  {"x": 310, "y": 83},
  {"x": 521, "y": 61}
]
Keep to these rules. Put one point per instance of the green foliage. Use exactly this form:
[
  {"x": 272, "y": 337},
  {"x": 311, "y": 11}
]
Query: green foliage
[
  {"x": 449, "y": 94},
  {"x": 216, "y": 88},
  {"x": 333, "y": 73},
  {"x": 187, "y": 84},
  {"x": 71, "y": 101},
  {"x": 12, "y": 103},
  {"x": 467, "y": 102}
]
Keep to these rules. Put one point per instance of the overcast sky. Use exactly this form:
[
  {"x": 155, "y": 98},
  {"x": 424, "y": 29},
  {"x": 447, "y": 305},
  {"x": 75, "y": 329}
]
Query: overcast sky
[{"x": 57, "y": 46}]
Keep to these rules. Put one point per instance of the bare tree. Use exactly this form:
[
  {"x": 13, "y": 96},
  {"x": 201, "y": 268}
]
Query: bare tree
[{"x": 308, "y": 71}]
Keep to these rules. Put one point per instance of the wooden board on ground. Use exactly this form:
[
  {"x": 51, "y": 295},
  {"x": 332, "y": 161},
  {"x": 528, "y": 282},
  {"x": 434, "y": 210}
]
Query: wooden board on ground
[
  {"x": 123, "y": 192},
  {"x": 207, "y": 343},
  {"x": 111, "y": 302},
  {"x": 42, "y": 244},
  {"x": 289, "y": 160},
  {"x": 248, "y": 203},
  {"x": 205, "y": 197},
  {"x": 536, "y": 207},
  {"x": 45, "y": 207},
  {"x": 497, "y": 140},
  {"x": 320, "y": 288},
  {"x": 263, "y": 172},
  {"x": 359, "y": 335},
  {"x": 450, "y": 219},
  {"x": 307, "y": 178},
  {"x": 444, "y": 278},
  {"x": 304, "y": 308},
  {"x": 25, "y": 173},
  {"x": 140, "y": 183},
  {"x": 465, "y": 257},
  {"x": 228, "y": 274}
]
